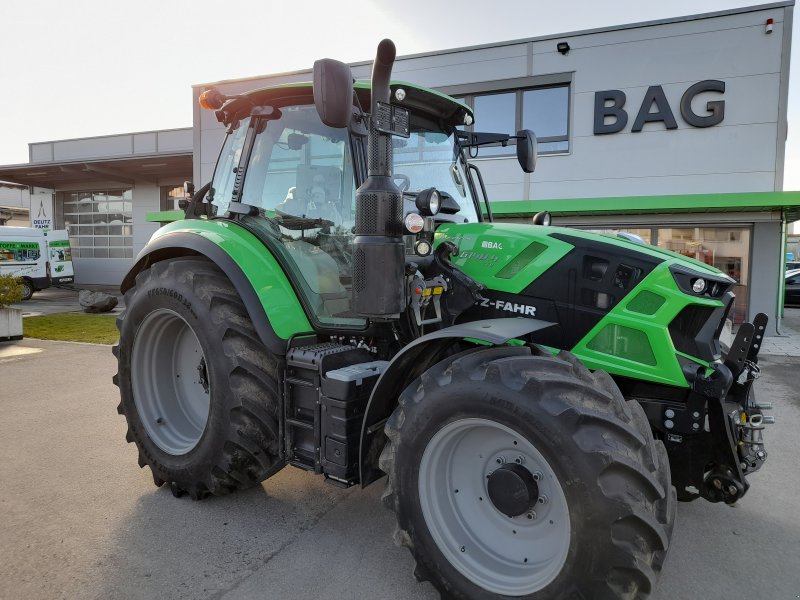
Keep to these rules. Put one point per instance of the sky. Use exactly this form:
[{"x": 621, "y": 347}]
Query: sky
[{"x": 82, "y": 68}]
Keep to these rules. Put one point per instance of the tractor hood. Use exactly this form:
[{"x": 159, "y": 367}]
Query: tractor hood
[{"x": 509, "y": 256}]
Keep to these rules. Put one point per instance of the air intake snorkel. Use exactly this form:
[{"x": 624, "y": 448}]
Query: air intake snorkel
[{"x": 378, "y": 249}]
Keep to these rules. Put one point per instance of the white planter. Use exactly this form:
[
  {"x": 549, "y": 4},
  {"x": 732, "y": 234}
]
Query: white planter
[{"x": 10, "y": 323}]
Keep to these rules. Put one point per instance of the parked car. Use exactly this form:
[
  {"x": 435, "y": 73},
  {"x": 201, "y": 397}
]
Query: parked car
[
  {"x": 791, "y": 293},
  {"x": 791, "y": 265}
]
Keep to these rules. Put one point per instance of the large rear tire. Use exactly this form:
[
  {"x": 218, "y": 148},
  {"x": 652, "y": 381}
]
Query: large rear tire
[
  {"x": 519, "y": 475},
  {"x": 197, "y": 386}
]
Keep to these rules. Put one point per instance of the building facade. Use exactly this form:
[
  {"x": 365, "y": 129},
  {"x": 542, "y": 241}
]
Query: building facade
[
  {"x": 15, "y": 204},
  {"x": 673, "y": 130},
  {"x": 100, "y": 190}
]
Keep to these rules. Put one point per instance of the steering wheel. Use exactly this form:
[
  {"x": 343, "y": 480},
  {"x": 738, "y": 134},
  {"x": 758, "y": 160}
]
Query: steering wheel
[{"x": 404, "y": 183}]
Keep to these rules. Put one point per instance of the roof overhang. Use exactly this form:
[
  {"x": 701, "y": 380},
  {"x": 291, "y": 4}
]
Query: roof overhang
[
  {"x": 127, "y": 171},
  {"x": 786, "y": 202}
]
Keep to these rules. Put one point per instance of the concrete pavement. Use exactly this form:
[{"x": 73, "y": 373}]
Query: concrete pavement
[
  {"x": 64, "y": 299},
  {"x": 81, "y": 520}
]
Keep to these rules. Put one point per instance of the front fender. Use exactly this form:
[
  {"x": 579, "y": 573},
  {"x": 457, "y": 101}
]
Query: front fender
[
  {"x": 268, "y": 296},
  {"x": 415, "y": 359}
]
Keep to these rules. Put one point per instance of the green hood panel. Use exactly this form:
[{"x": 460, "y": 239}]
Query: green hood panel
[
  {"x": 487, "y": 252},
  {"x": 486, "y": 249},
  {"x": 278, "y": 299},
  {"x": 634, "y": 340}
]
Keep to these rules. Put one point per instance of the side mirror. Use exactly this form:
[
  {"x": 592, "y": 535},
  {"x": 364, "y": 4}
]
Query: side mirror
[
  {"x": 333, "y": 92},
  {"x": 526, "y": 150},
  {"x": 542, "y": 218},
  {"x": 188, "y": 193}
]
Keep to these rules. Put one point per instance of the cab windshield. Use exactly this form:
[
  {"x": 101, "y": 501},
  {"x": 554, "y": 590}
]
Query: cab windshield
[{"x": 431, "y": 159}]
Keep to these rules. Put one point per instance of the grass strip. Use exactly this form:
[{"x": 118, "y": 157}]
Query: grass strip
[{"x": 72, "y": 327}]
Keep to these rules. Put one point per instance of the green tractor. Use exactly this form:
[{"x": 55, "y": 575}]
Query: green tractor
[{"x": 339, "y": 299}]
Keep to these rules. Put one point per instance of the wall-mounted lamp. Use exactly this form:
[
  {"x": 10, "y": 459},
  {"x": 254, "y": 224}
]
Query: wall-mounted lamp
[
  {"x": 562, "y": 47},
  {"x": 768, "y": 28}
]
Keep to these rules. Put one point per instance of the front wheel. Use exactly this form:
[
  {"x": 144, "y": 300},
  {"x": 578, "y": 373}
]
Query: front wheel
[
  {"x": 27, "y": 289},
  {"x": 198, "y": 388},
  {"x": 516, "y": 475}
]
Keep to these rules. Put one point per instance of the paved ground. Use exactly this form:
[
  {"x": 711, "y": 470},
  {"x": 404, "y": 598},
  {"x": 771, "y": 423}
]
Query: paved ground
[
  {"x": 81, "y": 520},
  {"x": 64, "y": 299}
]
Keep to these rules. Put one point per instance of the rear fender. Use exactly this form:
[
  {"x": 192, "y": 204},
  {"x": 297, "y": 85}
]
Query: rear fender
[
  {"x": 412, "y": 361},
  {"x": 269, "y": 298}
]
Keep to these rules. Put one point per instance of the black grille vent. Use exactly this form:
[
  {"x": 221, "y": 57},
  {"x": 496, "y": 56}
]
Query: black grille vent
[
  {"x": 685, "y": 330},
  {"x": 379, "y": 214},
  {"x": 367, "y": 213},
  {"x": 359, "y": 270}
]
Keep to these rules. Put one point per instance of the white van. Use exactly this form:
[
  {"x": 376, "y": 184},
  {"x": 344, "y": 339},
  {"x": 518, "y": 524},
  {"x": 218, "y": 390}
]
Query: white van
[
  {"x": 24, "y": 253},
  {"x": 59, "y": 254}
]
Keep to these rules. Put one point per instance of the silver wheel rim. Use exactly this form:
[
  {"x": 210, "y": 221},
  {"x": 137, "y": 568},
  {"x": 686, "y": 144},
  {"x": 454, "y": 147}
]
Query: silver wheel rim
[
  {"x": 506, "y": 555},
  {"x": 169, "y": 390}
]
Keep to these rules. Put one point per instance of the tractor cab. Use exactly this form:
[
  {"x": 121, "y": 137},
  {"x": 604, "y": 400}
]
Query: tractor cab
[{"x": 291, "y": 179}]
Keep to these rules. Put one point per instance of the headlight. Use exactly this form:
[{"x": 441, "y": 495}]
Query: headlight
[
  {"x": 699, "y": 286},
  {"x": 428, "y": 202}
]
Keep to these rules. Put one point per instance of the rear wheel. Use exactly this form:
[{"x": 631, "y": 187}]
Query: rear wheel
[
  {"x": 27, "y": 289},
  {"x": 515, "y": 475},
  {"x": 197, "y": 387}
]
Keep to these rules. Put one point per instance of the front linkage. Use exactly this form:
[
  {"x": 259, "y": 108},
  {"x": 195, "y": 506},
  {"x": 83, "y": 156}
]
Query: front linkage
[{"x": 715, "y": 437}]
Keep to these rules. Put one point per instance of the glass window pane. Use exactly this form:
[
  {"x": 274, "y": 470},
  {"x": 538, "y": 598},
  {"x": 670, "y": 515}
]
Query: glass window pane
[
  {"x": 726, "y": 248},
  {"x": 496, "y": 113},
  {"x": 545, "y": 111},
  {"x": 224, "y": 175}
]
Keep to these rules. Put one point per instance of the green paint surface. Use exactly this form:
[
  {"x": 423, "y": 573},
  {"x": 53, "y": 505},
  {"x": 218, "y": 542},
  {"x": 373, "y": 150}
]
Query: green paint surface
[
  {"x": 17, "y": 246},
  {"x": 633, "y": 338},
  {"x": 278, "y": 298},
  {"x": 648, "y": 204},
  {"x": 628, "y": 356}
]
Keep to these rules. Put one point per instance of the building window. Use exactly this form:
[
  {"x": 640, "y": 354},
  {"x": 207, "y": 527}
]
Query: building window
[
  {"x": 726, "y": 248},
  {"x": 543, "y": 110},
  {"x": 100, "y": 223},
  {"x": 170, "y": 196}
]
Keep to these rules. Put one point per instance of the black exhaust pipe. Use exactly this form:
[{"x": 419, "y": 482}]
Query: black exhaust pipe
[{"x": 378, "y": 249}]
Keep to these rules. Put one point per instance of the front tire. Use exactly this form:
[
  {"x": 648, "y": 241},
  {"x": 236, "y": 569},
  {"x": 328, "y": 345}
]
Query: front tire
[
  {"x": 198, "y": 388},
  {"x": 27, "y": 289},
  {"x": 517, "y": 475}
]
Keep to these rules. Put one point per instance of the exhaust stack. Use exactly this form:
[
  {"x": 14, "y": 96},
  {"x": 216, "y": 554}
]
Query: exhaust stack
[{"x": 378, "y": 249}]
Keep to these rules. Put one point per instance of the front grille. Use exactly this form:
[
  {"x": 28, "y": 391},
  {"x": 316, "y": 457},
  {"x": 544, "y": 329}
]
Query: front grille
[{"x": 688, "y": 332}]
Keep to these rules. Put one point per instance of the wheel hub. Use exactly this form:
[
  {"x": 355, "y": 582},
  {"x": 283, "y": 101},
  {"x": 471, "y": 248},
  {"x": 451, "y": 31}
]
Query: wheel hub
[{"x": 513, "y": 490}]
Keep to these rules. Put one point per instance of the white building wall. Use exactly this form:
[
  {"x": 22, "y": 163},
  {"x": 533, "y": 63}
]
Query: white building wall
[{"x": 744, "y": 153}]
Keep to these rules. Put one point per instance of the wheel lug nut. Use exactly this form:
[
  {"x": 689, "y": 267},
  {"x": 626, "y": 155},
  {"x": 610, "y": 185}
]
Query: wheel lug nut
[
  {"x": 542, "y": 499},
  {"x": 537, "y": 476},
  {"x": 519, "y": 460},
  {"x": 500, "y": 460},
  {"x": 532, "y": 515}
]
